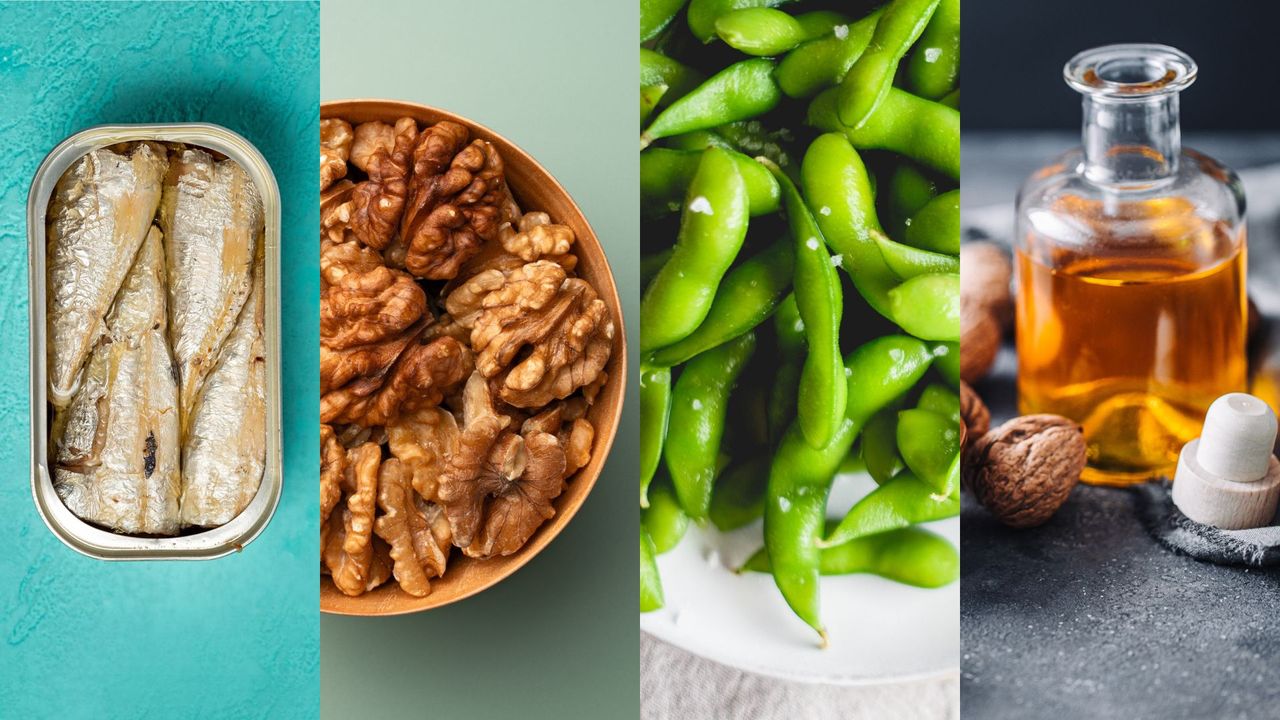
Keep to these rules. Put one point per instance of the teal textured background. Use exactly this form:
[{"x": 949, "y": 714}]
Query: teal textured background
[
  {"x": 231, "y": 638},
  {"x": 560, "y": 638}
]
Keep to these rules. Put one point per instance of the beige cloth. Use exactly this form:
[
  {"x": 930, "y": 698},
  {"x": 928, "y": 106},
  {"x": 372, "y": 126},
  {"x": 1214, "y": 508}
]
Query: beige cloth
[{"x": 675, "y": 685}]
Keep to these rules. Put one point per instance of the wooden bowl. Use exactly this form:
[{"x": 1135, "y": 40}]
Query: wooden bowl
[{"x": 534, "y": 189}]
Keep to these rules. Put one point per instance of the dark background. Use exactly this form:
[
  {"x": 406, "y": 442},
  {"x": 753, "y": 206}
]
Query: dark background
[{"x": 1014, "y": 51}]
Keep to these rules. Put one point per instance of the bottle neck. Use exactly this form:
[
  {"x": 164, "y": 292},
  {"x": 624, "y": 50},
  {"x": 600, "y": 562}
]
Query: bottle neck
[{"x": 1131, "y": 142}]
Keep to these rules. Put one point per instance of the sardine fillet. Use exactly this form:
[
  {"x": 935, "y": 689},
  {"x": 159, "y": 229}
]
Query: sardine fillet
[
  {"x": 224, "y": 449},
  {"x": 115, "y": 446},
  {"x": 101, "y": 210},
  {"x": 211, "y": 215}
]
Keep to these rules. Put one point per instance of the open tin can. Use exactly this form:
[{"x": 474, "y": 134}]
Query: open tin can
[{"x": 76, "y": 533}]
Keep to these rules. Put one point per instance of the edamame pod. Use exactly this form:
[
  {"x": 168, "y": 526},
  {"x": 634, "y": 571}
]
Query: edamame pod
[
  {"x": 927, "y": 442},
  {"x": 665, "y": 176},
  {"x": 789, "y": 329},
  {"x": 748, "y": 295},
  {"x": 800, "y": 476},
  {"x": 650, "y": 582},
  {"x": 907, "y": 262},
  {"x": 948, "y": 362},
  {"x": 823, "y": 385},
  {"x": 920, "y": 129},
  {"x": 928, "y": 306},
  {"x": 941, "y": 400},
  {"x": 912, "y": 556},
  {"x": 822, "y": 62},
  {"x": 696, "y": 428},
  {"x": 738, "y": 497},
  {"x": 903, "y": 501},
  {"x": 704, "y": 13},
  {"x": 909, "y": 191},
  {"x": 935, "y": 66},
  {"x": 655, "y": 411},
  {"x": 865, "y": 85},
  {"x": 658, "y": 69},
  {"x": 664, "y": 519},
  {"x": 741, "y": 91},
  {"x": 936, "y": 226},
  {"x": 759, "y": 31},
  {"x": 656, "y": 15},
  {"x": 712, "y": 228},
  {"x": 880, "y": 445}
]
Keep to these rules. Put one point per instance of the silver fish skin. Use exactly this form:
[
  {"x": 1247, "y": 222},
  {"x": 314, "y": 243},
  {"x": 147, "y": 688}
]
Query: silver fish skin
[
  {"x": 212, "y": 216},
  {"x": 115, "y": 447},
  {"x": 100, "y": 212},
  {"x": 224, "y": 449}
]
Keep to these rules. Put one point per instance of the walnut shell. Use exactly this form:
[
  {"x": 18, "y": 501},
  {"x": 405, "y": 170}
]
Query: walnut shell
[
  {"x": 979, "y": 341},
  {"x": 973, "y": 413},
  {"x": 1024, "y": 470},
  {"x": 984, "y": 280}
]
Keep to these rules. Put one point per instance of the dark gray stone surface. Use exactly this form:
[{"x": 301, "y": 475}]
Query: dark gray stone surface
[{"x": 1088, "y": 616}]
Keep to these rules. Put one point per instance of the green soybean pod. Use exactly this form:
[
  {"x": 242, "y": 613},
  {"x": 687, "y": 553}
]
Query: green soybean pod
[
  {"x": 920, "y": 129},
  {"x": 951, "y": 99},
  {"x": 747, "y": 296},
  {"x": 694, "y": 434},
  {"x": 907, "y": 261},
  {"x": 712, "y": 228},
  {"x": 741, "y": 91},
  {"x": 738, "y": 497},
  {"x": 704, "y": 13},
  {"x": 927, "y": 442},
  {"x": 903, "y": 501},
  {"x": 822, "y": 62},
  {"x": 655, "y": 412},
  {"x": 650, "y": 95},
  {"x": 928, "y": 306},
  {"x": 936, "y": 226},
  {"x": 760, "y": 31},
  {"x": 819, "y": 23},
  {"x": 935, "y": 66},
  {"x": 867, "y": 83},
  {"x": 823, "y": 385},
  {"x": 912, "y": 556},
  {"x": 947, "y": 361},
  {"x": 650, "y": 582},
  {"x": 664, "y": 519},
  {"x": 880, "y": 445},
  {"x": 942, "y": 400},
  {"x": 658, "y": 69},
  {"x": 800, "y": 475},
  {"x": 665, "y": 175},
  {"x": 656, "y": 15},
  {"x": 838, "y": 189},
  {"x": 791, "y": 348},
  {"x": 908, "y": 192}
]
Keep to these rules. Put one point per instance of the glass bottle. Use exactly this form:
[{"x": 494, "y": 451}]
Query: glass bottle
[{"x": 1130, "y": 265}]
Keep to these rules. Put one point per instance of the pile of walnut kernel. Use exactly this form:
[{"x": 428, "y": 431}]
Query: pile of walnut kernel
[{"x": 459, "y": 354}]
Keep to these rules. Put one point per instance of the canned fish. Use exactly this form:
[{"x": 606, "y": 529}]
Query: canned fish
[{"x": 154, "y": 534}]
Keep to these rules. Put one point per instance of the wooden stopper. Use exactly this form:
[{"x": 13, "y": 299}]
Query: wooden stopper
[{"x": 1229, "y": 477}]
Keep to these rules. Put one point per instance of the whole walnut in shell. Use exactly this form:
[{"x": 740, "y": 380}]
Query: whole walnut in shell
[
  {"x": 973, "y": 413},
  {"x": 1024, "y": 470},
  {"x": 457, "y": 200}
]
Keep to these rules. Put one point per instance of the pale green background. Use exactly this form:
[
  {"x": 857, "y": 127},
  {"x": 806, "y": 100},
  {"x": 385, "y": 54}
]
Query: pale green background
[{"x": 559, "y": 638}]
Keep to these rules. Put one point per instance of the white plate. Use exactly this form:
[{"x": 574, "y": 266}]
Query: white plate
[{"x": 880, "y": 631}]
